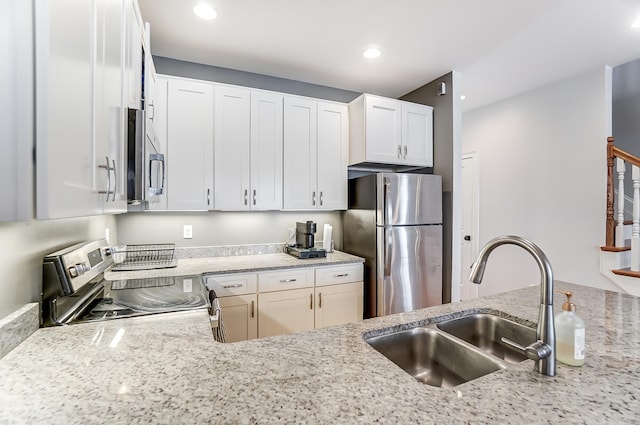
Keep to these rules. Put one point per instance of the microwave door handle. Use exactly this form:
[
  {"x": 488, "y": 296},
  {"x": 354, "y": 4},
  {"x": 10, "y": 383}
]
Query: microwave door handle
[{"x": 160, "y": 158}]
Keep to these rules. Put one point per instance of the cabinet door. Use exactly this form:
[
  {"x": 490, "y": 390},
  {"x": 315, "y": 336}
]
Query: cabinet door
[
  {"x": 232, "y": 136},
  {"x": 158, "y": 111},
  {"x": 64, "y": 110},
  {"x": 417, "y": 135},
  {"x": 300, "y": 155},
  {"x": 333, "y": 150},
  {"x": 338, "y": 304},
  {"x": 239, "y": 317},
  {"x": 383, "y": 130},
  {"x": 266, "y": 151},
  {"x": 190, "y": 145},
  {"x": 132, "y": 87},
  {"x": 285, "y": 311},
  {"x": 16, "y": 110},
  {"x": 109, "y": 114}
]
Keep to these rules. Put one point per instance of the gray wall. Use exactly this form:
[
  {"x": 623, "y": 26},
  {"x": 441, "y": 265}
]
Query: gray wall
[
  {"x": 626, "y": 106},
  {"x": 24, "y": 245},
  {"x": 447, "y": 163},
  {"x": 180, "y": 68}
]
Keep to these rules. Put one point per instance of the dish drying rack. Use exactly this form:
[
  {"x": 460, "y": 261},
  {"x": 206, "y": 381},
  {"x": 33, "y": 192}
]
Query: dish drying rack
[{"x": 144, "y": 257}]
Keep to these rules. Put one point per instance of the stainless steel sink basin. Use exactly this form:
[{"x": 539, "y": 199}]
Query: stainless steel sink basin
[
  {"x": 433, "y": 357},
  {"x": 485, "y": 332}
]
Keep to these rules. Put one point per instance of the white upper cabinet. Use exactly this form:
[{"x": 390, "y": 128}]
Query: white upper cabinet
[
  {"x": 390, "y": 131},
  {"x": 189, "y": 145},
  {"x": 266, "y": 150},
  {"x": 16, "y": 110},
  {"x": 109, "y": 121},
  {"x": 300, "y": 154},
  {"x": 64, "y": 110},
  {"x": 132, "y": 70},
  {"x": 333, "y": 152},
  {"x": 315, "y": 154},
  {"x": 232, "y": 139}
]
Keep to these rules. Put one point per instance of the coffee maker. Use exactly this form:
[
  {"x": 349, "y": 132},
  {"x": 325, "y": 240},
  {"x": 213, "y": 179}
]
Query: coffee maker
[{"x": 305, "y": 241}]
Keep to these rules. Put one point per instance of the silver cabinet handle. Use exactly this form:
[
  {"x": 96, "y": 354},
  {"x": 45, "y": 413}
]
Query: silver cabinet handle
[
  {"x": 320, "y": 300},
  {"x": 253, "y": 309},
  {"x": 399, "y": 151},
  {"x": 287, "y": 280},
  {"x": 109, "y": 169},
  {"x": 321, "y": 198},
  {"x": 246, "y": 196},
  {"x": 313, "y": 198},
  {"x": 405, "y": 151},
  {"x": 115, "y": 180},
  {"x": 341, "y": 275},
  {"x": 254, "y": 196},
  {"x": 311, "y": 301},
  {"x": 208, "y": 196},
  {"x": 237, "y": 285}
]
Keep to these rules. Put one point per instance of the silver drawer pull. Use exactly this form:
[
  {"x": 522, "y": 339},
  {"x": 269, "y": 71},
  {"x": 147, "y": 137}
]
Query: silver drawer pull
[
  {"x": 341, "y": 275},
  {"x": 237, "y": 285},
  {"x": 287, "y": 280}
]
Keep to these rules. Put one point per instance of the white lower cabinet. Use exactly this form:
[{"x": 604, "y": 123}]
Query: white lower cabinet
[
  {"x": 240, "y": 317},
  {"x": 256, "y": 305}
]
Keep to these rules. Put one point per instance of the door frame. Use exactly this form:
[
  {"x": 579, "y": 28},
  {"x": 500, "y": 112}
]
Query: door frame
[{"x": 474, "y": 218}]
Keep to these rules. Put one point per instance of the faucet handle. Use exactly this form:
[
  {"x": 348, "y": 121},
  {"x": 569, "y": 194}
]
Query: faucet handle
[{"x": 537, "y": 350}]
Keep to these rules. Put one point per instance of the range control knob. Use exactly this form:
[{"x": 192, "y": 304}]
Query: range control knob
[{"x": 78, "y": 269}]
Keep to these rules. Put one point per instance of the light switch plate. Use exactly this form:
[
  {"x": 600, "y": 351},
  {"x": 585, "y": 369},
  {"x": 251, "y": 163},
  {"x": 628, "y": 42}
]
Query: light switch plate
[{"x": 187, "y": 231}]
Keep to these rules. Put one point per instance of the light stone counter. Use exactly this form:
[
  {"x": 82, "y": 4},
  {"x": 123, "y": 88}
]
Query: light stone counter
[
  {"x": 237, "y": 264},
  {"x": 167, "y": 369}
]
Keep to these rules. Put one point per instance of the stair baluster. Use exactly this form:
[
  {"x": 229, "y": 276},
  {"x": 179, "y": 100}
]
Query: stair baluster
[
  {"x": 635, "y": 230},
  {"x": 621, "y": 169}
]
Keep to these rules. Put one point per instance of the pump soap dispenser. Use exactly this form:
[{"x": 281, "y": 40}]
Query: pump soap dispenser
[{"x": 570, "y": 334}]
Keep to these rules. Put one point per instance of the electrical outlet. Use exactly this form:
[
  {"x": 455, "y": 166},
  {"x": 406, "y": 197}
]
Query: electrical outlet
[{"x": 187, "y": 231}]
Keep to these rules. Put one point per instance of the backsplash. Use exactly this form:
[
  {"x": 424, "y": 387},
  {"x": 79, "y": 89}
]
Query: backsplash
[{"x": 228, "y": 250}]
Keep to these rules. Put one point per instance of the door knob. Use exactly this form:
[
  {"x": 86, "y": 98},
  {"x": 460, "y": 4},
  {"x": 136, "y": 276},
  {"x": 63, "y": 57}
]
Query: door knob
[{"x": 467, "y": 237}]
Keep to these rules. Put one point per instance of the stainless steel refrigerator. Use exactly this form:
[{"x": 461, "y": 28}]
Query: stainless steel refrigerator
[{"x": 394, "y": 221}]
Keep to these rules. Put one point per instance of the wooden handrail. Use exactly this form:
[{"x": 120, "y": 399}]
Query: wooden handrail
[{"x": 612, "y": 153}]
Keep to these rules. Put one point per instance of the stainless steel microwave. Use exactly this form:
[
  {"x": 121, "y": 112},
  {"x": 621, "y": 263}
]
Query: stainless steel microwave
[{"x": 145, "y": 164}]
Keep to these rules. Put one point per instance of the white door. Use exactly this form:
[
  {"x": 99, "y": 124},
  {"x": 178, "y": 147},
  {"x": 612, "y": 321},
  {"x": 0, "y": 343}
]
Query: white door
[
  {"x": 285, "y": 311},
  {"x": 417, "y": 134},
  {"x": 300, "y": 155},
  {"x": 266, "y": 151},
  {"x": 383, "y": 130},
  {"x": 239, "y": 317},
  {"x": 470, "y": 220},
  {"x": 232, "y": 141},
  {"x": 333, "y": 152},
  {"x": 190, "y": 145},
  {"x": 338, "y": 304}
]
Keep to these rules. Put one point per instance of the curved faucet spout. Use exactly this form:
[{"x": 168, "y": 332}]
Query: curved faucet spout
[{"x": 545, "y": 331}]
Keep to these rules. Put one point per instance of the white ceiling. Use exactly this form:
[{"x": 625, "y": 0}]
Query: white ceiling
[{"x": 501, "y": 47}]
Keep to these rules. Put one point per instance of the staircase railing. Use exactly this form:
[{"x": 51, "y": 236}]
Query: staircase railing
[{"x": 615, "y": 227}]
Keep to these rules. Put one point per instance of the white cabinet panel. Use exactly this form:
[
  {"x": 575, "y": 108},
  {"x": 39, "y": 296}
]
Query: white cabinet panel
[
  {"x": 285, "y": 279},
  {"x": 240, "y": 317},
  {"x": 339, "y": 274},
  {"x": 64, "y": 109},
  {"x": 338, "y": 304},
  {"x": 300, "y": 155},
  {"x": 333, "y": 144},
  {"x": 383, "y": 130},
  {"x": 190, "y": 145},
  {"x": 417, "y": 130},
  {"x": 233, "y": 284},
  {"x": 285, "y": 311},
  {"x": 266, "y": 151},
  {"x": 232, "y": 147}
]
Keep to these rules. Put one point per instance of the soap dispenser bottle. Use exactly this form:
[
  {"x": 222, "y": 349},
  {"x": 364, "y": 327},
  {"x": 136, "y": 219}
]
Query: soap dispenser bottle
[{"x": 570, "y": 335}]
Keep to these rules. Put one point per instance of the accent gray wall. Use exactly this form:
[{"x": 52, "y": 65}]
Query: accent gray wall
[
  {"x": 447, "y": 153},
  {"x": 626, "y": 106},
  {"x": 185, "y": 69}
]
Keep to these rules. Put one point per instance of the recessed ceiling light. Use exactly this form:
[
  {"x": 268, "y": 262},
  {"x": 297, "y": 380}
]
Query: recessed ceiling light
[
  {"x": 462, "y": 97},
  {"x": 204, "y": 11},
  {"x": 372, "y": 53},
  {"x": 636, "y": 23}
]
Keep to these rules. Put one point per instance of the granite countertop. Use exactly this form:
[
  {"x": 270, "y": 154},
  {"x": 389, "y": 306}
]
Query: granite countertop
[
  {"x": 237, "y": 264},
  {"x": 167, "y": 369}
]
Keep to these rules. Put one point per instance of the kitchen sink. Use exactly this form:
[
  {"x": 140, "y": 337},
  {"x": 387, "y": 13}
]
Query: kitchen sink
[
  {"x": 485, "y": 331},
  {"x": 434, "y": 358}
]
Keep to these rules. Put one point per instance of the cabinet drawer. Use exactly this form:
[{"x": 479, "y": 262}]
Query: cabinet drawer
[
  {"x": 285, "y": 279},
  {"x": 232, "y": 284},
  {"x": 339, "y": 274}
]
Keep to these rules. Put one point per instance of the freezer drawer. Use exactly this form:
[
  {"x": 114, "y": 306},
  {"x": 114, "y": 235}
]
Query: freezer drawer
[{"x": 409, "y": 268}]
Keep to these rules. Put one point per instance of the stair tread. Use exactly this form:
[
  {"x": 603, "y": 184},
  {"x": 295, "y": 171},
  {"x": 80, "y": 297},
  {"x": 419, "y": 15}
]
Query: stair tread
[
  {"x": 626, "y": 272},
  {"x": 615, "y": 248}
]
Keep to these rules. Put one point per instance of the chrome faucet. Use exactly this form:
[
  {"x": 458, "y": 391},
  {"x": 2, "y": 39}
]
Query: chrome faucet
[{"x": 543, "y": 351}]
